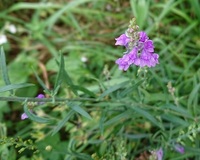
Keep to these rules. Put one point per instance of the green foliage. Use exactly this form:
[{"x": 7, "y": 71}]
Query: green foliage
[
  {"x": 92, "y": 110},
  {"x": 11, "y": 87},
  {"x": 32, "y": 116}
]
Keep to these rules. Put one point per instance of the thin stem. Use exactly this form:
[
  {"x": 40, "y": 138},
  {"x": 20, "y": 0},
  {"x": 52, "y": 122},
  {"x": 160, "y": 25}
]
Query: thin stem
[{"x": 57, "y": 100}]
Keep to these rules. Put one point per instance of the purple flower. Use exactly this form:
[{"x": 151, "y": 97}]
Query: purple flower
[
  {"x": 122, "y": 40},
  {"x": 124, "y": 62},
  {"x": 24, "y": 116},
  {"x": 159, "y": 154},
  {"x": 143, "y": 36},
  {"x": 40, "y": 96},
  {"x": 179, "y": 148},
  {"x": 141, "y": 54}
]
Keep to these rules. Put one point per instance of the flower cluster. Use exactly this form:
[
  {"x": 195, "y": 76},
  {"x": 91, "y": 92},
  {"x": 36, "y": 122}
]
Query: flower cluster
[{"x": 140, "y": 49}]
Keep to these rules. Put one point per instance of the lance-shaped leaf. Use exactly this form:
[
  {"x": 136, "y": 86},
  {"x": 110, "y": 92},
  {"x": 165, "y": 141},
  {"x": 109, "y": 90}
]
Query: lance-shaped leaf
[
  {"x": 33, "y": 117},
  {"x": 59, "y": 77},
  {"x": 4, "y": 69},
  {"x": 62, "y": 122},
  {"x": 80, "y": 110},
  {"x": 113, "y": 89},
  {"x": 11, "y": 87},
  {"x": 41, "y": 82}
]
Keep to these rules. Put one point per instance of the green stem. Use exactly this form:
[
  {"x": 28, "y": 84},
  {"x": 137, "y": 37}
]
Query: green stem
[{"x": 57, "y": 100}]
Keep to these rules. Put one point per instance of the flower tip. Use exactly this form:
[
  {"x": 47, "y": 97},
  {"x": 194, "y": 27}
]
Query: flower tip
[
  {"x": 40, "y": 96},
  {"x": 159, "y": 154},
  {"x": 179, "y": 148},
  {"x": 24, "y": 116}
]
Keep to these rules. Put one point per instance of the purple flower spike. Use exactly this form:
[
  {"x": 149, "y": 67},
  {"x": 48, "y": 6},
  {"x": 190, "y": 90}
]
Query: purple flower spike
[
  {"x": 24, "y": 116},
  {"x": 179, "y": 148},
  {"x": 122, "y": 40},
  {"x": 140, "y": 49},
  {"x": 159, "y": 154}
]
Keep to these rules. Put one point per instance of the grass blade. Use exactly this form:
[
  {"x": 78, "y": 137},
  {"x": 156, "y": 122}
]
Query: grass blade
[
  {"x": 73, "y": 4},
  {"x": 80, "y": 110},
  {"x": 147, "y": 115},
  {"x": 140, "y": 10},
  {"x": 84, "y": 90},
  {"x": 62, "y": 122},
  {"x": 41, "y": 82},
  {"x": 60, "y": 74},
  {"x": 11, "y": 87},
  {"x": 175, "y": 120},
  {"x": 69, "y": 82},
  {"x": 4, "y": 69},
  {"x": 117, "y": 118},
  {"x": 24, "y": 5},
  {"x": 112, "y": 89}
]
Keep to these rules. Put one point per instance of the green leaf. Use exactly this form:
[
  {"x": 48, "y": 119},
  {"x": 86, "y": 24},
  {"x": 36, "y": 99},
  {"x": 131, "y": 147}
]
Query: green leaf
[
  {"x": 112, "y": 89},
  {"x": 131, "y": 88},
  {"x": 26, "y": 5},
  {"x": 69, "y": 6},
  {"x": 189, "y": 66},
  {"x": 60, "y": 74},
  {"x": 194, "y": 94},
  {"x": 4, "y": 69},
  {"x": 41, "y": 82},
  {"x": 62, "y": 122},
  {"x": 69, "y": 82},
  {"x": 175, "y": 120},
  {"x": 117, "y": 118},
  {"x": 137, "y": 136},
  {"x": 140, "y": 11},
  {"x": 84, "y": 90},
  {"x": 33, "y": 117},
  {"x": 15, "y": 86},
  {"x": 181, "y": 110},
  {"x": 77, "y": 108},
  {"x": 147, "y": 115}
]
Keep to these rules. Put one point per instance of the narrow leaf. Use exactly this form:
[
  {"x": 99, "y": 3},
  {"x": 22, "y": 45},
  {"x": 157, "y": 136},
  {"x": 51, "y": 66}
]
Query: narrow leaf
[
  {"x": 26, "y": 5},
  {"x": 147, "y": 115},
  {"x": 4, "y": 68},
  {"x": 15, "y": 86},
  {"x": 117, "y": 118},
  {"x": 130, "y": 89},
  {"x": 84, "y": 90},
  {"x": 194, "y": 94},
  {"x": 60, "y": 74},
  {"x": 71, "y": 5},
  {"x": 33, "y": 117},
  {"x": 179, "y": 109},
  {"x": 112, "y": 89},
  {"x": 175, "y": 120},
  {"x": 69, "y": 82},
  {"x": 62, "y": 122},
  {"x": 40, "y": 81},
  {"x": 80, "y": 110},
  {"x": 137, "y": 136}
]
